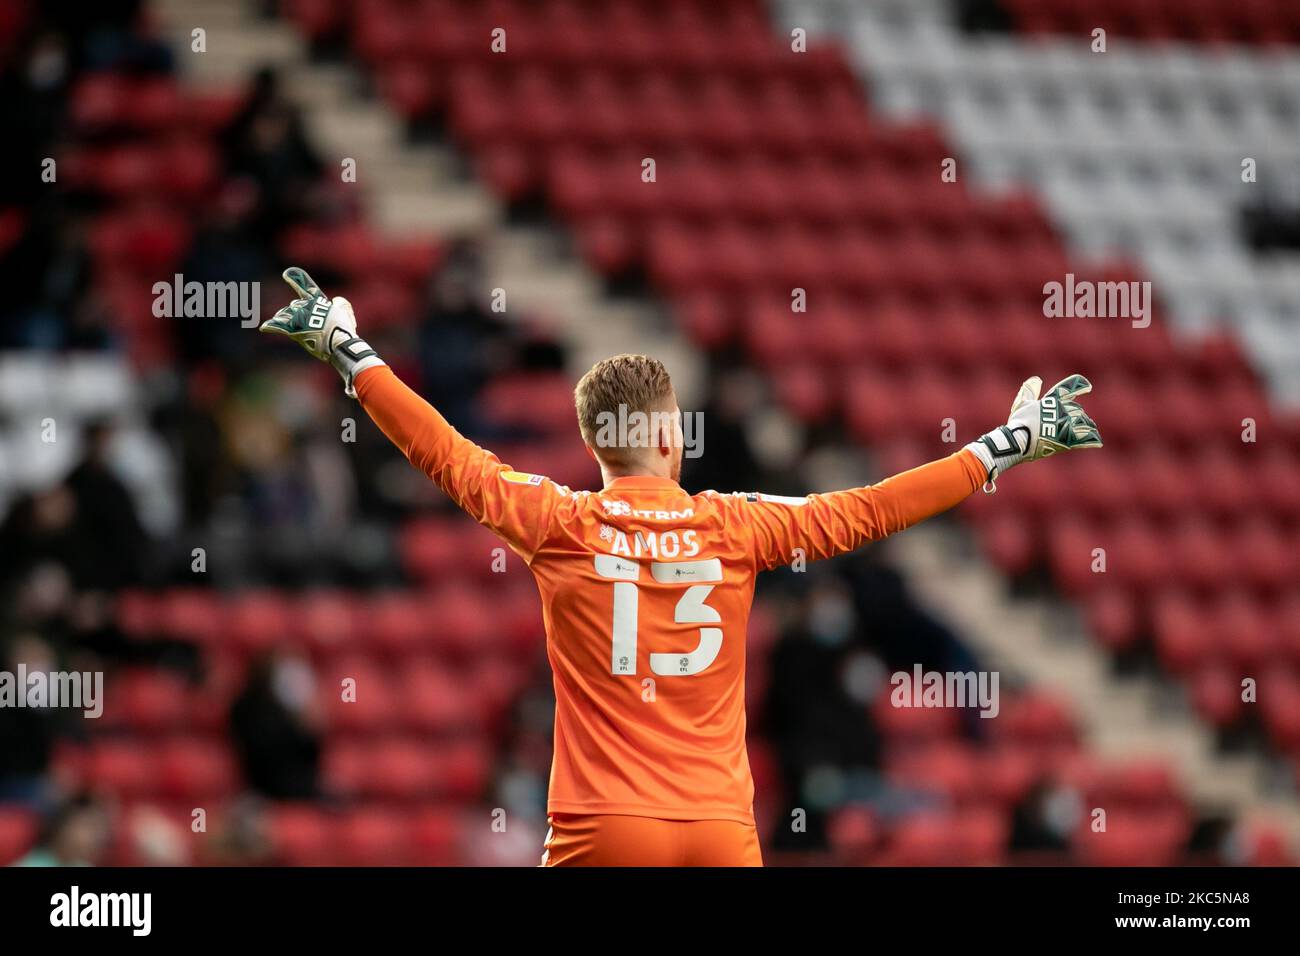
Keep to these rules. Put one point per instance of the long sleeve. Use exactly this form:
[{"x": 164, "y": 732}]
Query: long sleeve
[
  {"x": 516, "y": 506},
  {"x": 820, "y": 526}
]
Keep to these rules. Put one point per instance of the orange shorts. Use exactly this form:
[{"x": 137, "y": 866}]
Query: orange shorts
[{"x": 616, "y": 840}]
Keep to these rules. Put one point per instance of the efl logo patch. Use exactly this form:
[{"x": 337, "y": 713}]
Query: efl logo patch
[{"x": 521, "y": 478}]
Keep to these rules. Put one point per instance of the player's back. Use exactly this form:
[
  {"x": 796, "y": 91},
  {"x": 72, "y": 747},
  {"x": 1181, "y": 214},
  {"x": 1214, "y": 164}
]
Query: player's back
[{"x": 646, "y": 593}]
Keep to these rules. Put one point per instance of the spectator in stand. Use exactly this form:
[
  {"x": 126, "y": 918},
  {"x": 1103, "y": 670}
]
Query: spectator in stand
[
  {"x": 1043, "y": 820},
  {"x": 816, "y": 715},
  {"x": 191, "y": 421},
  {"x": 153, "y": 837},
  {"x": 107, "y": 525},
  {"x": 107, "y": 35},
  {"x": 227, "y": 247},
  {"x": 729, "y": 462},
  {"x": 28, "y": 734},
  {"x": 275, "y": 723},
  {"x": 39, "y": 531},
  {"x": 33, "y": 96},
  {"x": 87, "y": 525},
  {"x": 75, "y": 833},
  {"x": 462, "y": 342},
  {"x": 48, "y": 267},
  {"x": 268, "y": 144},
  {"x": 243, "y": 836},
  {"x": 902, "y": 632}
]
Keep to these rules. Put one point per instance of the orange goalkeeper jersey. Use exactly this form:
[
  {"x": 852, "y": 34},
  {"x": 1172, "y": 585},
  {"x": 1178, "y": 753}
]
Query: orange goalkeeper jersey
[{"x": 646, "y": 592}]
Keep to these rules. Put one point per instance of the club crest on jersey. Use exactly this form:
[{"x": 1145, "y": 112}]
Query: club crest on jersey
[
  {"x": 615, "y": 508},
  {"x": 521, "y": 478}
]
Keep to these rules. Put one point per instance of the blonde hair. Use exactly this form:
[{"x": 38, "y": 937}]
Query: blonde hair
[{"x": 634, "y": 383}]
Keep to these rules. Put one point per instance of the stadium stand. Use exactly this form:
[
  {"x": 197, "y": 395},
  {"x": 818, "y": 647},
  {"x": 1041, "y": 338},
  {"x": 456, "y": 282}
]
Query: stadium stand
[{"x": 773, "y": 171}]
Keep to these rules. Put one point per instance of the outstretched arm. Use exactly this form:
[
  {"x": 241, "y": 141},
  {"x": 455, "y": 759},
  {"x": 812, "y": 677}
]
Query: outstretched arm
[
  {"x": 516, "y": 506},
  {"x": 820, "y": 526}
]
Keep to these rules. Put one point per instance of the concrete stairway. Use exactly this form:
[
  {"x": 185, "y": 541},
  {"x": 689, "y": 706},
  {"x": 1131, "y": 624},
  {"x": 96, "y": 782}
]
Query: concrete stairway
[{"x": 1043, "y": 643}]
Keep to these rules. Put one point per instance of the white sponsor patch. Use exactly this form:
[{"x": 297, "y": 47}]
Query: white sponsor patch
[
  {"x": 687, "y": 572},
  {"x": 782, "y": 499}
]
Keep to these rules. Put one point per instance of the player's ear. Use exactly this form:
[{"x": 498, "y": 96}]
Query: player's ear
[
  {"x": 666, "y": 438},
  {"x": 591, "y": 453}
]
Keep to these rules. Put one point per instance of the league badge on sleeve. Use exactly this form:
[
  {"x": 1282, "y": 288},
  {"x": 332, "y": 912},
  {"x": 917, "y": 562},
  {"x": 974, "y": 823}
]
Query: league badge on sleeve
[{"x": 521, "y": 478}]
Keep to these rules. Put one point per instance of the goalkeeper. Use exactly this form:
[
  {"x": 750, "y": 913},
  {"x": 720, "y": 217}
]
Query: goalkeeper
[{"x": 646, "y": 590}]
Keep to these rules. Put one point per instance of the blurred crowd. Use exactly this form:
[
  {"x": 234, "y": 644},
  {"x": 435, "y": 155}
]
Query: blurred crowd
[{"x": 262, "y": 480}]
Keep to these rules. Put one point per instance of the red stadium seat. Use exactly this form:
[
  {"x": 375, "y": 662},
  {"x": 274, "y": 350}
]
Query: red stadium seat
[
  {"x": 148, "y": 702},
  {"x": 914, "y": 723},
  {"x": 951, "y": 770},
  {"x": 1149, "y": 838},
  {"x": 99, "y": 101},
  {"x": 124, "y": 769},
  {"x": 972, "y": 838},
  {"x": 192, "y": 614},
  {"x": 1034, "y": 718},
  {"x": 542, "y": 402},
  {"x": 302, "y": 835},
  {"x": 196, "y": 769},
  {"x": 138, "y": 613},
  {"x": 430, "y": 549},
  {"x": 435, "y": 836},
  {"x": 1184, "y": 638},
  {"x": 1266, "y": 845},
  {"x": 400, "y": 769},
  {"x": 18, "y": 830},
  {"x": 436, "y": 700},
  {"x": 372, "y": 837},
  {"x": 1216, "y": 693},
  {"x": 1012, "y": 547},
  {"x": 400, "y": 623},
  {"x": 923, "y": 840},
  {"x": 1242, "y": 627},
  {"x": 259, "y": 620},
  {"x": 853, "y": 831},
  {"x": 329, "y": 620},
  {"x": 370, "y": 703},
  {"x": 141, "y": 242},
  {"x": 1136, "y": 783},
  {"x": 496, "y": 683},
  {"x": 467, "y": 767},
  {"x": 1279, "y": 707},
  {"x": 1007, "y": 773}
]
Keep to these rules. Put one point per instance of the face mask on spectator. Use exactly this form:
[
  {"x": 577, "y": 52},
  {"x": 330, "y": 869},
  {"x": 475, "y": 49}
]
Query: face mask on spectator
[
  {"x": 46, "y": 68},
  {"x": 830, "y": 619},
  {"x": 294, "y": 684}
]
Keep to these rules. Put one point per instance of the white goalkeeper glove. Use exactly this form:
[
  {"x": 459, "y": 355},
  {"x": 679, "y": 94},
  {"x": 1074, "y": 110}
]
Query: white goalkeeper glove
[
  {"x": 324, "y": 327},
  {"x": 1038, "y": 427}
]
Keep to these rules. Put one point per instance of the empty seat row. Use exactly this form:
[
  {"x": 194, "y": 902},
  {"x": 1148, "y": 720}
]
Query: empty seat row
[{"x": 1261, "y": 22}]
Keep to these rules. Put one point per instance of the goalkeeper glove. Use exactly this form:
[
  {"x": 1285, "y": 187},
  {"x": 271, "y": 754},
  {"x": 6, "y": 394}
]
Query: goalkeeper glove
[
  {"x": 325, "y": 327},
  {"x": 1038, "y": 427}
]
